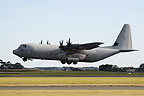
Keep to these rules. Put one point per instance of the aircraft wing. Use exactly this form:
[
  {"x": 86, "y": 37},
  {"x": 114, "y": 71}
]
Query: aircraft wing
[
  {"x": 77, "y": 47},
  {"x": 89, "y": 46}
]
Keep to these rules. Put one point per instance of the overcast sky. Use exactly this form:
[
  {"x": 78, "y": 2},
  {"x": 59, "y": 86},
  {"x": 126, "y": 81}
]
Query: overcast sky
[{"x": 29, "y": 21}]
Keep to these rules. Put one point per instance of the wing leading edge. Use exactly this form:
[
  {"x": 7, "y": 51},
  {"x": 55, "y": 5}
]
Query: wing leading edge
[
  {"x": 89, "y": 46},
  {"x": 78, "y": 47}
]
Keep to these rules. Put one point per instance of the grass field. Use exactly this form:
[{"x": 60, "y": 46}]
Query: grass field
[
  {"x": 36, "y": 73},
  {"x": 41, "y": 78},
  {"x": 71, "y": 92},
  {"x": 71, "y": 81}
]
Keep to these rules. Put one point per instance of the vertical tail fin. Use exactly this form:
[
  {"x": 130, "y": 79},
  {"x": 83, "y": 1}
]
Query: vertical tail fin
[{"x": 124, "y": 40}]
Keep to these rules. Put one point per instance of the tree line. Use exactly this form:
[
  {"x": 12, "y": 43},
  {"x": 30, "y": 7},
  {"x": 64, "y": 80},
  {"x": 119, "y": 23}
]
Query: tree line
[
  {"x": 9, "y": 65},
  {"x": 115, "y": 68}
]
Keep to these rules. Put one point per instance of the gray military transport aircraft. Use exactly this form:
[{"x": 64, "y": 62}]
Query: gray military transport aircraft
[{"x": 74, "y": 53}]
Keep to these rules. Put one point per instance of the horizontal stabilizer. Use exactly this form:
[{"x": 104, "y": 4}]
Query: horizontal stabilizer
[{"x": 128, "y": 50}]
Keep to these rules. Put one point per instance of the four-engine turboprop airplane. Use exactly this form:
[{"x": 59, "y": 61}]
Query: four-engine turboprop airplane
[{"x": 74, "y": 53}]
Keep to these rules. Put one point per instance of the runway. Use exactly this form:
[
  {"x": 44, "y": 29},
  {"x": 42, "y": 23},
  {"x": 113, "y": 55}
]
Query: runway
[{"x": 71, "y": 88}]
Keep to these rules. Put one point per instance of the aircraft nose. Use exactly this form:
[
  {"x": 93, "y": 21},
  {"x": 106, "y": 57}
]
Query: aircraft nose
[{"x": 15, "y": 52}]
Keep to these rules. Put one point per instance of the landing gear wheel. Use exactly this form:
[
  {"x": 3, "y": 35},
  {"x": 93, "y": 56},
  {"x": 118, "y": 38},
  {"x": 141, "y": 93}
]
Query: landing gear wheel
[
  {"x": 63, "y": 62},
  {"x": 75, "y": 63},
  {"x": 69, "y": 62},
  {"x": 24, "y": 59}
]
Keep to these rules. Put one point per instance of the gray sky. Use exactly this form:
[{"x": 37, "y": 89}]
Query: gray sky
[{"x": 29, "y": 21}]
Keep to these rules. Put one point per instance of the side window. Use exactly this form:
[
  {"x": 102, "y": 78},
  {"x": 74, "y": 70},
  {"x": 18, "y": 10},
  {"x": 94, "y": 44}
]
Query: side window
[
  {"x": 20, "y": 47},
  {"x": 24, "y": 46}
]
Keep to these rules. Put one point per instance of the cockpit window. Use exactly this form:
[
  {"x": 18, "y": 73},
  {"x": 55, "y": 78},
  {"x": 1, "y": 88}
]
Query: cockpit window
[
  {"x": 22, "y": 46},
  {"x": 19, "y": 47}
]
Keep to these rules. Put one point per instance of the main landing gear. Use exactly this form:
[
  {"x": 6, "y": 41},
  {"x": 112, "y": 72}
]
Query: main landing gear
[{"x": 69, "y": 62}]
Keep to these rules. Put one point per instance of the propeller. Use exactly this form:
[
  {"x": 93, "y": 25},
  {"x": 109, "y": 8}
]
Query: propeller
[
  {"x": 69, "y": 42},
  {"x": 48, "y": 43},
  {"x": 61, "y": 44},
  {"x": 66, "y": 47},
  {"x": 41, "y": 42}
]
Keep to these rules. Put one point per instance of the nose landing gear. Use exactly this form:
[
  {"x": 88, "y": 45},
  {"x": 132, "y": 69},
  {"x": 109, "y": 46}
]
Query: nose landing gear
[{"x": 24, "y": 59}]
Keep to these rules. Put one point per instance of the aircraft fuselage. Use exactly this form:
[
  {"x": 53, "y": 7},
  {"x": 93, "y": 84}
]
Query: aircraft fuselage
[
  {"x": 74, "y": 53},
  {"x": 53, "y": 52}
]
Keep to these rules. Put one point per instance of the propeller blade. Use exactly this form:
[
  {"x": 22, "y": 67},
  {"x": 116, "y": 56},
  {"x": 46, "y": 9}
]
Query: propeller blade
[
  {"x": 61, "y": 43},
  {"x": 41, "y": 42},
  {"x": 69, "y": 42}
]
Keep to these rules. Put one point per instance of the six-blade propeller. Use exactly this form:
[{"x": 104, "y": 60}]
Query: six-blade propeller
[{"x": 66, "y": 47}]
